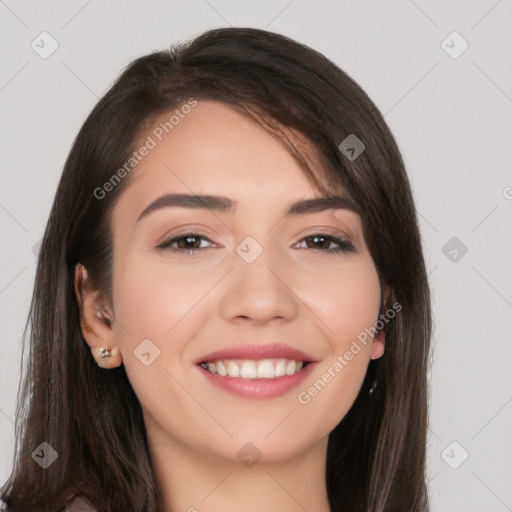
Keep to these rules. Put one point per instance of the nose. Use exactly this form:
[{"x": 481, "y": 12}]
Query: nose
[{"x": 260, "y": 291}]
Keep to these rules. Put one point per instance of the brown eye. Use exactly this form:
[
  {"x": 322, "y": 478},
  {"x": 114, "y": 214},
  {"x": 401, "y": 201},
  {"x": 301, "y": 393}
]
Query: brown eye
[
  {"x": 323, "y": 242},
  {"x": 190, "y": 242}
]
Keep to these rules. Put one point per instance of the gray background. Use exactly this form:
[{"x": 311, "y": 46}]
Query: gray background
[{"x": 451, "y": 115}]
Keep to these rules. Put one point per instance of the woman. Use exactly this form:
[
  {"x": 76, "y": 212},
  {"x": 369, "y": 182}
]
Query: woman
[{"x": 231, "y": 308}]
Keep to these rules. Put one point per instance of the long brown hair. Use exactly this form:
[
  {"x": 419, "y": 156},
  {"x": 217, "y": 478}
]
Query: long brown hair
[{"x": 91, "y": 417}]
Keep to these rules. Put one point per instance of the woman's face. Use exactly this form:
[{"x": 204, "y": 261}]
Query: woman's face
[{"x": 250, "y": 275}]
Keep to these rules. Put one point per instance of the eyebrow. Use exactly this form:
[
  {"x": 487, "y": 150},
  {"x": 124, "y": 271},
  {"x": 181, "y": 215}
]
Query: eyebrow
[{"x": 226, "y": 205}]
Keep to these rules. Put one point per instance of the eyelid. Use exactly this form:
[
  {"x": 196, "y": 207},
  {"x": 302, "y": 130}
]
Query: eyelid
[
  {"x": 332, "y": 229},
  {"x": 204, "y": 231},
  {"x": 328, "y": 230},
  {"x": 187, "y": 230},
  {"x": 343, "y": 244}
]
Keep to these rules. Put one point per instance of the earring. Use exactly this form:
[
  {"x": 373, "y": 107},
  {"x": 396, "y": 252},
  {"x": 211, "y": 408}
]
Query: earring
[
  {"x": 105, "y": 353},
  {"x": 372, "y": 389},
  {"x": 103, "y": 360},
  {"x": 108, "y": 357}
]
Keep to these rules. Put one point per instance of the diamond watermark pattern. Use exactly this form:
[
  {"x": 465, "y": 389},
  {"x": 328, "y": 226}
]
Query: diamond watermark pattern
[
  {"x": 249, "y": 249},
  {"x": 44, "y": 45},
  {"x": 352, "y": 147},
  {"x": 45, "y": 455},
  {"x": 454, "y": 249},
  {"x": 454, "y": 45},
  {"x": 36, "y": 247},
  {"x": 454, "y": 455},
  {"x": 249, "y": 454},
  {"x": 146, "y": 352}
]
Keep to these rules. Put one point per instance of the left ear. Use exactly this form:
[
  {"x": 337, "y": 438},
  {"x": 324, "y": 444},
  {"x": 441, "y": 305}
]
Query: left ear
[
  {"x": 378, "y": 345},
  {"x": 380, "y": 337},
  {"x": 96, "y": 322}
]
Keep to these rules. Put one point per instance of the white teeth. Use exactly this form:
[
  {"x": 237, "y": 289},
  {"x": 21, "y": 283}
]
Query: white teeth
[
  {"x": 280, "y": 369},
  {"x": 266, "y": 369},
  {"x": 290, "y": 368},
  {"x": 233, "y": 369},
  {"x": 221, "y": 369},
  {"x": 250, "y": 369}
]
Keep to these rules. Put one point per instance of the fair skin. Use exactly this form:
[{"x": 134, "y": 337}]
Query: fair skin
[{"x": 188, "y": 305}]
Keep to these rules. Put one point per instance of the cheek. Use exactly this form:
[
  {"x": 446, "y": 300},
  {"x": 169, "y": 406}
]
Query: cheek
[
  {"x": 159, "y": 300},
  {"x": 163, "y": 302},
  {"x": 347, "y": 303},
  {"x": 346, "y": 299},
  {"x": 141, "y": 298}
]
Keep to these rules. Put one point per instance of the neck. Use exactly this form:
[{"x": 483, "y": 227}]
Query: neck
[{"x": 193, "y": 480}]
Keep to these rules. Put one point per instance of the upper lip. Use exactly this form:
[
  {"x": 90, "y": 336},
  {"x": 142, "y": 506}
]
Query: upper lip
[{"x": 257, "y": 352}]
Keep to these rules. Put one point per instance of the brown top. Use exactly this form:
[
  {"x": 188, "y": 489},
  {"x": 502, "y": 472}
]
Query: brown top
[{"x": 79, "y": 504}]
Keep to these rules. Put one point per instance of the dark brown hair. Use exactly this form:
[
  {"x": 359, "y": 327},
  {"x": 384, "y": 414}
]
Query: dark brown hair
[{"x": 91, "y": 417}]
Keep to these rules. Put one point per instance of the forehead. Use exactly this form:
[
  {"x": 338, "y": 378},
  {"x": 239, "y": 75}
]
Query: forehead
[
  {"x": 214, "y": 150},
  {"x": 214, "y": 144},
  {"x": 215, "y": 134}
]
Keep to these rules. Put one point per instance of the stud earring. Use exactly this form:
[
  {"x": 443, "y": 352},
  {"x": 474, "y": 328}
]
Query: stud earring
[
  {"x": 103, "y": 361},
  {"x": 108, "y": 357},
  {"x": 105, "y": 353}
]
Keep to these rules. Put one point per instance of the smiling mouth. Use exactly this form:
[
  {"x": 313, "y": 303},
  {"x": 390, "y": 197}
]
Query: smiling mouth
[{"x": 254, "y": 369}]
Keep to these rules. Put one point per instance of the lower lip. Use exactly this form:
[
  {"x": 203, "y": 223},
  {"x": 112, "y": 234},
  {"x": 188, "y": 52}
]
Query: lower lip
[{"x": 258, "y": 388}]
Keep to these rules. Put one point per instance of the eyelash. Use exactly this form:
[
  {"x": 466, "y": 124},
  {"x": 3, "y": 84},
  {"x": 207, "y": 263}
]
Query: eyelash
[{"x": 344, "y": 245}]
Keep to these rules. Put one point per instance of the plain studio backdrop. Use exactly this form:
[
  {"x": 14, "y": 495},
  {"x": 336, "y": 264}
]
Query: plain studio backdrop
[{"x": 439, "y": 72}]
